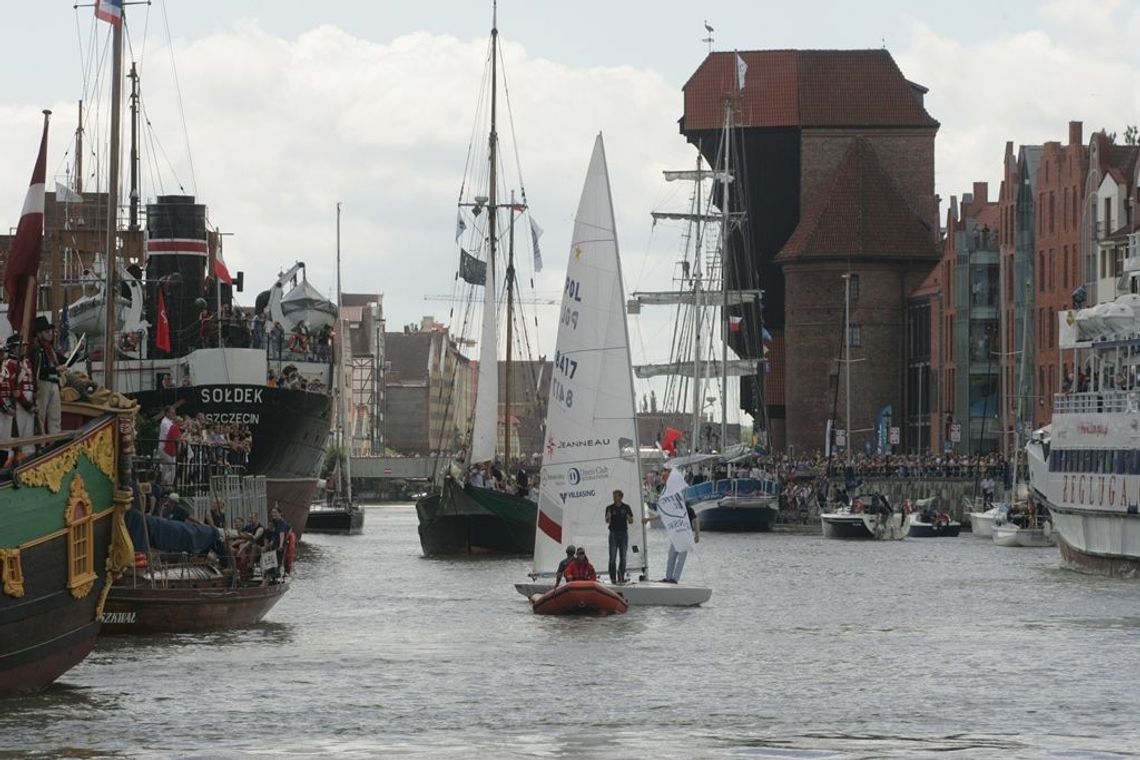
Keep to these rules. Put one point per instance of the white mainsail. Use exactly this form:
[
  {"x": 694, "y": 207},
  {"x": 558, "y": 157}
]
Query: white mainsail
[
  {"x": 484, "y": 433},
  {"x": 591, "y": 428}
]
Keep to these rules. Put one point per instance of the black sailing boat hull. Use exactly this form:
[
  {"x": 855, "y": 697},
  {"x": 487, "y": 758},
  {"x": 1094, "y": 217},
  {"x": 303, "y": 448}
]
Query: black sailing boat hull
[
  {"x": 345, "y": 521},
  {"x": 290, "y": 430},
  {"x": 47, "y": 632},
  {"x": 475, "y": 521}
]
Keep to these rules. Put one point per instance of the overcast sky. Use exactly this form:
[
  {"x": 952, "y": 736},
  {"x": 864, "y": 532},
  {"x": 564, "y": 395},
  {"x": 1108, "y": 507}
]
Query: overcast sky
[{"x": 287, "y": 107}]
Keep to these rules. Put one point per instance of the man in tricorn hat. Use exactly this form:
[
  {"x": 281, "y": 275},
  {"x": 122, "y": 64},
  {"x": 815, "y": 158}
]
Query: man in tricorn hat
[
  {"x": 47, "y": 363},
  {"x": 7, "y": 405}
]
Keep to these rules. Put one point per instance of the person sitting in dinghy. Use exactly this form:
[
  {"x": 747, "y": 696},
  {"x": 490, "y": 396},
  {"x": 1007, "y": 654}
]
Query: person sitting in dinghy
[
  {"x": 579, "y": 569},
  {"x": 562, "y": 565}
]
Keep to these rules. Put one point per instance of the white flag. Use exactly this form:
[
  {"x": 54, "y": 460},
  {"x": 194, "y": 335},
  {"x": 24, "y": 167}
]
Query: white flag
[
  {"x": 674, "y": 514},
  {"x": 460, "y": 225},
  {"x": 741, "y": 70},
  {"x": 535, "y": 234},
  {"x": 64, "y": 194}
]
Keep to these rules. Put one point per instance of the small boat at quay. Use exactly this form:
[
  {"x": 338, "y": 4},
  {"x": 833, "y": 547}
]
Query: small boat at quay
[
  {"x": 869, "y": 518},
  {"x": 579, "y": 598}
]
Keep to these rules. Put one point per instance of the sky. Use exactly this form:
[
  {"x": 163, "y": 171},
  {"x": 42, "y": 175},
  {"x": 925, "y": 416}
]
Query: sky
[{"x": 271, "y": 112}]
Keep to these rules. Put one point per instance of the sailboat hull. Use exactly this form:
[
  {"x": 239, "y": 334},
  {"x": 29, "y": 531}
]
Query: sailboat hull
[
  {"x": 738, "y": 518},
  {"x": 463, "y": 520},
  {"x": 639, "y": 594},
  {"x": 342, "y": 520}
]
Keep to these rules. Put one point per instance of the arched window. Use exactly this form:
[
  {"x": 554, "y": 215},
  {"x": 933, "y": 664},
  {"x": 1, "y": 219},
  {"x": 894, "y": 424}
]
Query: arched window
[{"x": 80, "y": 539}]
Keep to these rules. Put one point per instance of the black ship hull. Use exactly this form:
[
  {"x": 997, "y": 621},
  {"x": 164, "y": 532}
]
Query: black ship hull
[{"x": 475, "y": 521}]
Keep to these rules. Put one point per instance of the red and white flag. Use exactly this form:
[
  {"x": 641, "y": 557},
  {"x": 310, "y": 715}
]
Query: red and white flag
[
  {"x": 110, "y": 11},
  {"x": 221, "y": 271},
  {"x": 28, "y": 244},
  {"x": 735, "y": 324}
]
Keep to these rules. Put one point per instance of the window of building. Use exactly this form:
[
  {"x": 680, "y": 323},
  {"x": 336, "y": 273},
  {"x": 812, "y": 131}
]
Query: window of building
[
  {"x": 1065, "y": 210},
  {"x": 855, "y": 336},
  {"x": 1052, "y": 268},
  {"x": 1076, "y": 202},
  {"x": 1052, "y": 209},
  {"x": 1065, "y": 264},
  {"x": 1118, "y": 254},
  {"x": 1041, "y": 272},
  {"x": 853, "y": 285},
  {"x": 1107, "y": 218}
]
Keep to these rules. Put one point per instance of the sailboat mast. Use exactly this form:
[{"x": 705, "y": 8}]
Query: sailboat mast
[
  {"x": 724, "y": 183},
  {"x": 110, "y": 286},
  {"x": 847, "y": 359},
  {"x": 134, "y": 210},
  {"x": 340, "y": 338},
  {"x": 510, "y": 336},
  {"x": 700, "y": 209},
  {"x": 79, "y": 152},
  {"x": 492, "y": 202}
]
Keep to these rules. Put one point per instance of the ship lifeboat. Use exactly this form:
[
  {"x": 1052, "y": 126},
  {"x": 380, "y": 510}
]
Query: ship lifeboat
[{"x": 579, "y": 598}]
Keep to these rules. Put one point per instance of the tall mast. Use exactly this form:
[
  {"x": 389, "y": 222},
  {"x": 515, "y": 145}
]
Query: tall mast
[
  {"x": 847, "y": 359},
  {"x": 724, "y": 184},
  {"x": 79, "y": 152},
  {"x": 134, "y": 212},
  {"x": 340, "y": 340},
  {"x": 510, "y": 335},
  {"x": 696, "y": 423},
  {"x": 110, "y": 286},
  {"x": 492, "y": 202}
]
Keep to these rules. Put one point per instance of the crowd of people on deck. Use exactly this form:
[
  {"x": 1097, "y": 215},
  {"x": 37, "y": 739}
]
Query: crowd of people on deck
[
  {"x": 290, "y": 378},
  {"x": 30, "y": 387},
  {"x": 240, "y": 541},
  {"x": 493, "y": 476},
  {"x": 238, "y": 326},
  {"x": 191, "y": 449}
]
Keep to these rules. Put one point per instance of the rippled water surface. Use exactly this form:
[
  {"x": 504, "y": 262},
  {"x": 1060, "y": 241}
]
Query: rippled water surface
[{"x": 808, "y": 649}]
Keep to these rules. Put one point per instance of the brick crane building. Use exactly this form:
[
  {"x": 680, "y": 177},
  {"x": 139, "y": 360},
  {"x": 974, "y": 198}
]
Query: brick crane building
[{"x": 836, "y": 162}]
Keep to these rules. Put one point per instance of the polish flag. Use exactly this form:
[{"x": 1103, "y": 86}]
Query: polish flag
[
  {"x": 28, "y": 244},
  {"x": 221, "y": 271},
  {"x": 735, "y": 324}
]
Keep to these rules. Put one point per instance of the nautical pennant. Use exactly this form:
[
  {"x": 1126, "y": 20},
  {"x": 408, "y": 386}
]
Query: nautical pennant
[
  {"x": 28, "y": 244},
  {"x": 110, "y": 11}
]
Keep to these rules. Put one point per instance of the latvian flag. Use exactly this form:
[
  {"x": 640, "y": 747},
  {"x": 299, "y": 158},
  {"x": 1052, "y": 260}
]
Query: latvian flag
[
  {"x": 24, "y": 258},
  {"x": 110, "y": 11},
  {"x": 176, "y": 247},
  {"x": 735, "y": 324}
]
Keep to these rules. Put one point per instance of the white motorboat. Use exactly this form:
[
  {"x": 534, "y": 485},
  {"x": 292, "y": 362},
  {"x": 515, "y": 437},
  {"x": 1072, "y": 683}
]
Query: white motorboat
[
  {"x": 1011, "y": 534},
  {"x": 871, "y": 518}
]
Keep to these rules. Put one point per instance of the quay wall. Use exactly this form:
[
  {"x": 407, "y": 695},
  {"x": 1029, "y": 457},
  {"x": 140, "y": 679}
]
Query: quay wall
[{"x": 950, "y": 494}]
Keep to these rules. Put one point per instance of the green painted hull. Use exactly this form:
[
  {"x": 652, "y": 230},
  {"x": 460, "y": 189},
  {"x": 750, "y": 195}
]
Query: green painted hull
[{"x": 475, "y": 521}]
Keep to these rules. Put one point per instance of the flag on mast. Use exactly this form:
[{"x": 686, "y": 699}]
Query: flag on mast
[
  {"x": 535, "y": 234},
  {"x": 28, "y": 244},
  {"x": 741, "y": 70},
  {"x": 460, "y": 225},
  {"x": 735, "y": 324},
  {"x": 162, "y": 329},
  {"x": 110, "y": 11},
  {"x": 221, "y": 271}
]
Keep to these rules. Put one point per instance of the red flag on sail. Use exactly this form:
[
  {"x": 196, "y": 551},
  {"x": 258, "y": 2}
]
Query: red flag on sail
[
  {"x": 735, "y": 324},
  {"x": 221, "y": 271},
  {"x": 669, "y": 441},
  {"x": 28, "y": 245},
  {"x": 162, "y": 330}
]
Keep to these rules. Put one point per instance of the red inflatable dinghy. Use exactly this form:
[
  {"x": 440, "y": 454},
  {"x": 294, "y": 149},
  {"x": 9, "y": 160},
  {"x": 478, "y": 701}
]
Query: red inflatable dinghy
[{"x": 579, "y": 598}]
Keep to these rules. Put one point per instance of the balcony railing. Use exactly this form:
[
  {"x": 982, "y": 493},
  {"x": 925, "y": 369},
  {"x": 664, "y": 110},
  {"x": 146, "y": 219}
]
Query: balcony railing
[{"x": 1096, "y": 402}]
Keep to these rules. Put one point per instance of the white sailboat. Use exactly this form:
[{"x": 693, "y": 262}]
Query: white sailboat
[
  {"x": 869, "y": 517},
  {"x": 591, "y": 425}
]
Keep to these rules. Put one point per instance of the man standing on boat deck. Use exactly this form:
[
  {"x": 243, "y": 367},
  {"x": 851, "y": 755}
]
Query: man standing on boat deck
[
  {"x": 48, "y": 364},
  {"x": 562, "y": 565},
  {"x": 619, "y": 516}
]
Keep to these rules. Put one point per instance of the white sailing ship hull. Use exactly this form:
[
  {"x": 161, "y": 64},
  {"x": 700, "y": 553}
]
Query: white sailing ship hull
[{"x": 639, "y": 594}]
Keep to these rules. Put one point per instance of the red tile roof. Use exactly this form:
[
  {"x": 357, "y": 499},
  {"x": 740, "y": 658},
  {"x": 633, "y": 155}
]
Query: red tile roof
[
  {"x": 808, "y": 88},
  {"x": 861, "y": 213}
]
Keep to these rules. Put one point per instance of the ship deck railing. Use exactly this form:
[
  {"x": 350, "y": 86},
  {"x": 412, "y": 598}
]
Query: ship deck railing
[{"x": 1097, "y": 402}]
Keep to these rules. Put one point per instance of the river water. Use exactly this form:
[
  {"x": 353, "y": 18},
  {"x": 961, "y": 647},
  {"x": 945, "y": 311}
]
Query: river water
[{"x": 808, "y": 649}]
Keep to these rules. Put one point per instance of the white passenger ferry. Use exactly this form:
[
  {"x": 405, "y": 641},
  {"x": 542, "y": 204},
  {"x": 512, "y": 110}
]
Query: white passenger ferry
[{"x": 1085, "y": 466}]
